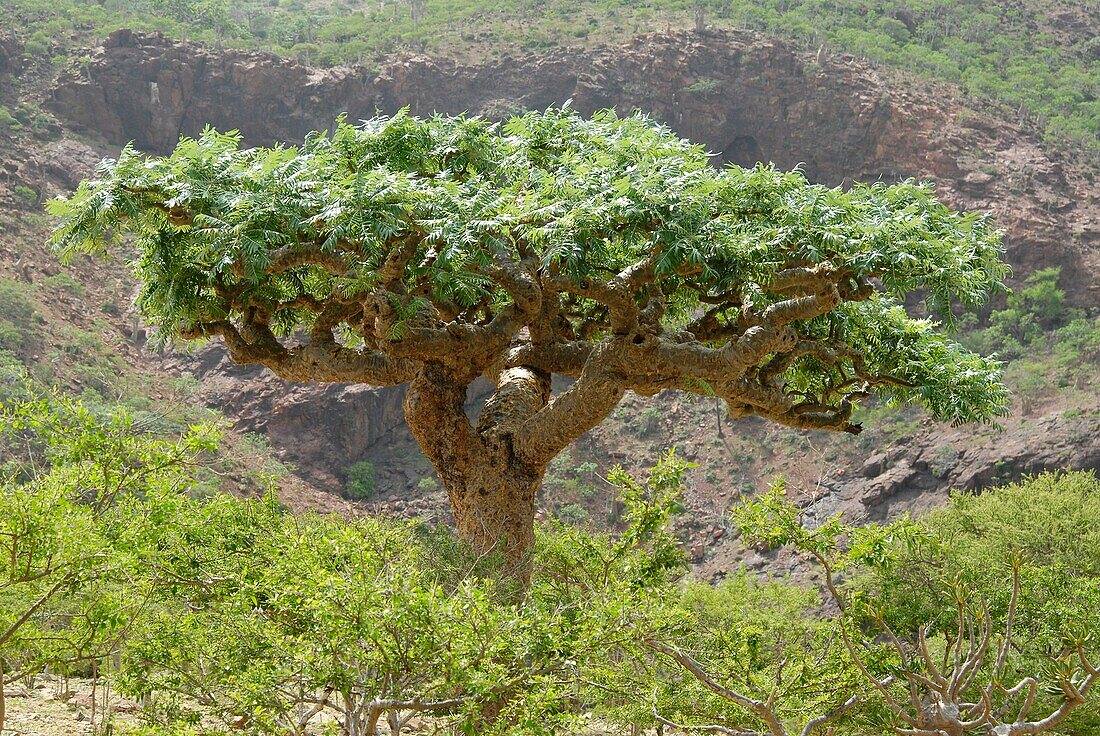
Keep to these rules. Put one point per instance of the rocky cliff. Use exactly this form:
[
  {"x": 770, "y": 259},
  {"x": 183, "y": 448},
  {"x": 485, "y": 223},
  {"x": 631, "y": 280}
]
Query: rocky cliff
[{"x": 11, "y": 53}]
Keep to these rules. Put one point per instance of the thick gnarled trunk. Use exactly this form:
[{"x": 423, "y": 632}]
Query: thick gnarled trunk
[
  {"x": 494, "y": 511},
  {"x": 490, "y": 485}
]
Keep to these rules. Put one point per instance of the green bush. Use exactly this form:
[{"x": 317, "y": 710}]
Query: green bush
[
  {"x": 575, "y": 514},
  {"x": 359, "y": 481},
  {"x": 997, "y": 593},
  {"x": 84, "y": 498},
  {"x": 704, "y": 87},
  {"x": 66, "y": 283},
  {"x": 649, "y": 421},
  {"x": 17, "y": 317},
  {"x": 25, "y": 196},
  {"x": 8, "y": 123},
  {"x": 226, "y": 613}
]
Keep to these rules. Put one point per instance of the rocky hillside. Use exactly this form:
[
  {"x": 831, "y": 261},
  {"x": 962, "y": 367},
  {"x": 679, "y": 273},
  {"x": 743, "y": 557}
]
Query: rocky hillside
[{"x": 745, "y": 97}]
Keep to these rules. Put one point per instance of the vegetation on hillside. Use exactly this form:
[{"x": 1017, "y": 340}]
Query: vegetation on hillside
[
  {"x": 1039, "y": 58},
  {"x": 226, "y": 615}
]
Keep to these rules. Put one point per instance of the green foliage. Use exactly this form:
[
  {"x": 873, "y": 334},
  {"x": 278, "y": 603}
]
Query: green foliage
[
  {"x": 1049, "y": 523},
  {"x": 347, "y": 609},
  {"x": 1015, "y": 568},
  {"x": 78, "y": 504},
  {"x": 704, "y": 87},
  {"x": 588, "y": 196},
  {"x": 768, "y": 642},
  {"x": 25, "y": 196},
  {"x": 8, "y": 122},
  {"x": 18, "y": 317},
  {"x": 1031, "y": 313},
  {"x": 1051, "y": 346},
  {"x": 572, "y": 513},
  {"x": 649, "y": 419},
  {"x": 230, "y": 614},
  {"x": 944, "y": 460},
  {"x": 66, "y": 283},
  {"x": 260, "y": 613},
  {"x": 359, "y": 481}
]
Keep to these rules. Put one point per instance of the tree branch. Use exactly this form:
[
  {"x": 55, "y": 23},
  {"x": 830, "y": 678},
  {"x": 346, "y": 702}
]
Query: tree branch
[
  {"x": 578, "y": 409},
  {"x": 758, "y": 707}
]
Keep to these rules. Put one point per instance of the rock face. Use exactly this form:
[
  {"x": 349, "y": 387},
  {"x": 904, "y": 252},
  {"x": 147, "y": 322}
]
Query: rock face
[
  {"x": 744, "y": 97},
  {"x": 149, "y": 90},
  {"x": 915, "y": 474},
  {"x": 11, "y": 54}
]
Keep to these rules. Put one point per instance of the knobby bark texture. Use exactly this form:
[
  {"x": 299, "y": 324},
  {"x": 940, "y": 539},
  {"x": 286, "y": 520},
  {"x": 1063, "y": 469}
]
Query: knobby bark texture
[
  {"x": 608, "y": 335},
  {"x": 491, "y": 487}
]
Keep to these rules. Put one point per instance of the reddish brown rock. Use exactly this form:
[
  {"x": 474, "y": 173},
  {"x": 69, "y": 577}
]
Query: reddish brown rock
[
  {"x": 150, "y": 90},
  {"x": 11, "y": 54}
]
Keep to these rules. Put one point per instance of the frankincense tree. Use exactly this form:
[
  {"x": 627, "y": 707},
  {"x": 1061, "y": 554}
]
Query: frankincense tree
[{"x": 606, "y": 250}]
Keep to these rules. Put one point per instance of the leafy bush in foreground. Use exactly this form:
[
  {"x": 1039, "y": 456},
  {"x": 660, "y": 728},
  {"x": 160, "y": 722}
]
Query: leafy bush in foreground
[
  {"x": 79, "y": 497},
  {"x": 979, "y": 619},
  {"x": 235, "y": 615}
]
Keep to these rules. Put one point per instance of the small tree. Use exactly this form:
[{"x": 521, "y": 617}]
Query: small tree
[
  {"x": 754, "y": 659},
  {"x": 431, "y": 252},
  {"x": 72, "y": 544},
  {"x": 980, "y": 619},
  {"x": 270, "y": 621}
]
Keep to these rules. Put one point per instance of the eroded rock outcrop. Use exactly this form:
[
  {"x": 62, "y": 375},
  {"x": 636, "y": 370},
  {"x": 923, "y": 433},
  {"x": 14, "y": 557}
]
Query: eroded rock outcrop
[
  {"x": 11, "y": 54},
  {"x": 150, "y": 90}
]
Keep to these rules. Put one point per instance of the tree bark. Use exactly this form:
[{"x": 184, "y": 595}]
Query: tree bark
[
  {"x": 495, "y": 513},
  {"x": 490, "y": 486}
]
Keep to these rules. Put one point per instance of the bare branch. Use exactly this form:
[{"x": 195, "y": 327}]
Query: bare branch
[
  {"x": 813, "y": 724},
  {"x": 578, "y": 409},
  {"x": 703, "y": 729},
  {"x": 758, "y": 707},
  {"x": 324, "y": 361}
]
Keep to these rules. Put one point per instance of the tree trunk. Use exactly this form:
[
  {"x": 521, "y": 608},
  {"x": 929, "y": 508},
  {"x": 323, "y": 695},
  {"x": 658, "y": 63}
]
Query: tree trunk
[
  {"x": 490, "y": 486},
  {"x": 494, "y": 511}
]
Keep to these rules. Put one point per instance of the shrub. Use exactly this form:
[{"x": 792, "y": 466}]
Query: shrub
[
  {"x": 17, "y": 316},
  {"x": 573, "y": 513},
  {"x": 8, "y": 123},
  {"x": 704, "y": 87},
  {"x": 66, "y": 283},
  {"x": 649, "y": 420},
  {"x": 996, "y": 593},
  {"x": 944, "y": 460},
  {"x": 25, "y": 196},
  {"x": 359, "y": 481}
]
